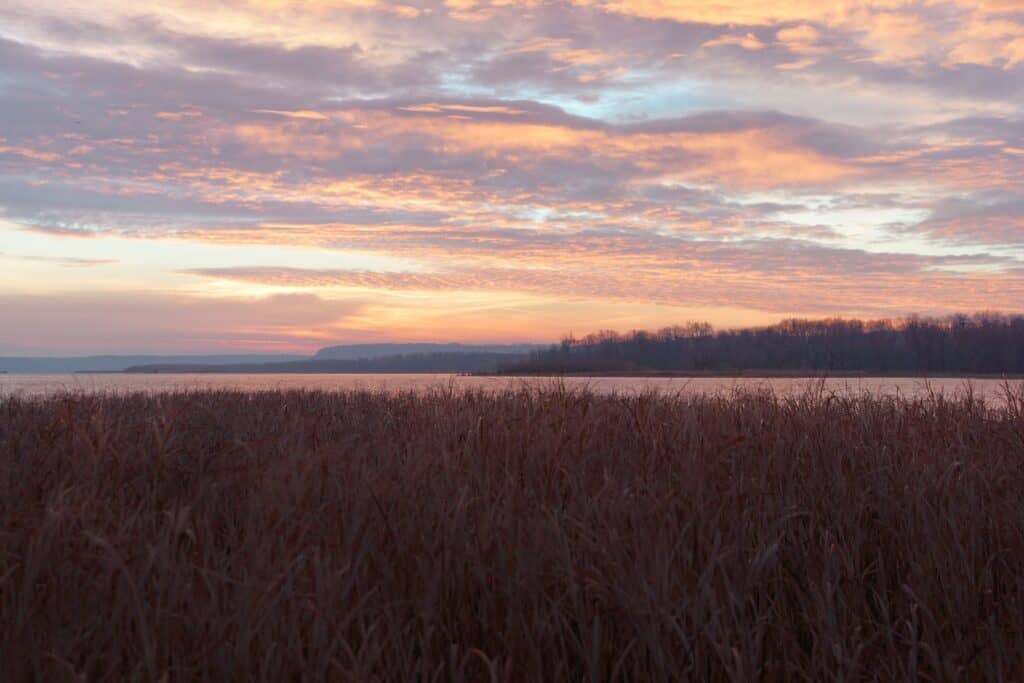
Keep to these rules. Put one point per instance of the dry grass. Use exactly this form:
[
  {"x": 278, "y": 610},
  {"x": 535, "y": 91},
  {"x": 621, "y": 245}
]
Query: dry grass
[{"x": 533, "y": 535}]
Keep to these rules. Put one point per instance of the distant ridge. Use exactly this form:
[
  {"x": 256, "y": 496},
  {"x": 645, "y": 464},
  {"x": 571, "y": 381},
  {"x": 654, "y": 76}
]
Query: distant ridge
[
  {"x": 403, "y": 363},
  {"x": 387, "y": 357},
  {"x": 116, "y": 363},
  {"x": 366, "y": 351}
]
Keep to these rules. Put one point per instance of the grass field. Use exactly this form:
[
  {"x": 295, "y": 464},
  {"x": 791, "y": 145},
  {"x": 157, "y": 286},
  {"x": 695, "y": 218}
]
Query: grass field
[{"x": 523, "y": 536}]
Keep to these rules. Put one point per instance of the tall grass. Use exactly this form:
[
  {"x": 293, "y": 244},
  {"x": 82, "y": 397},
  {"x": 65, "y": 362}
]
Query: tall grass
[{"x": 521, "y": 535}]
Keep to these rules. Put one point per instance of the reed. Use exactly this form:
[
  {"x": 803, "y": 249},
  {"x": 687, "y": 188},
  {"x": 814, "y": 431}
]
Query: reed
[{"x": 519, "y": 535}]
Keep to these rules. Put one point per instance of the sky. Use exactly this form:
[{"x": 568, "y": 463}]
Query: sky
[{"x": 263, "y": 175}]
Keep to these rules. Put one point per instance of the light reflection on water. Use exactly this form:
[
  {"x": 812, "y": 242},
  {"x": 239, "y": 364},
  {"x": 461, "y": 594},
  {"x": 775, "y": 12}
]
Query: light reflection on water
[{"x": 42, "y": 385}]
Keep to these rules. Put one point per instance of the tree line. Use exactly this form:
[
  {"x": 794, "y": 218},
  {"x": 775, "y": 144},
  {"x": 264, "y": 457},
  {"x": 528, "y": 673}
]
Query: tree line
[{"x": 984, "y": 343}]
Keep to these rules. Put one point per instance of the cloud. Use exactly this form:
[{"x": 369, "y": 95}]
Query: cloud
[
  {"x": 747, "y": 41},
  {"x": 800, "y": 39},
  {"x": 994, "y": 217},
  {"x": 69, "y": 261},
  {"x": 771, "y": 275},
  {"x": 302, "y": 114},
  {"x": 160, "y": 322},
  {"x": 779, "y": 157}
]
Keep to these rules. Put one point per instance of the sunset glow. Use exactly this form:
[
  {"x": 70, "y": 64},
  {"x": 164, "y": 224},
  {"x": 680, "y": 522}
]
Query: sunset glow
[{"x": 267, "y": 175}]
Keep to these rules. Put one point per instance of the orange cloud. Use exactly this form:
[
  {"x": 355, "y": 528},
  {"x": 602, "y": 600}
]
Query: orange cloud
[
  {"x": 434, "y": 108},
  {"x": 744, "y": 158},
  {"x": 300, "y": 114},
  {"x": 747, "y": 42},
  {"x": 28, "y": 152},
  {"x": 725, "y": 11},
  {"x": 801, "y": 39},
  {"x": 884, "y": 293}
]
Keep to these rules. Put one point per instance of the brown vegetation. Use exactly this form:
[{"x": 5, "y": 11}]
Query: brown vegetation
[{"x": 531, "y": 535}]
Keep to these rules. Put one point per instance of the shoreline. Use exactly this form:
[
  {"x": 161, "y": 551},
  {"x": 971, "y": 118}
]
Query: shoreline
[
  {"x": 632, "y": 374},
  {"x": 755, "y": 374}
]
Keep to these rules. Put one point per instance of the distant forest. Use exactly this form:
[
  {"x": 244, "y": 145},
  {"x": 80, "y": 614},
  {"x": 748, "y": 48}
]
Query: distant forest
[{"x": 983, "y": 343}]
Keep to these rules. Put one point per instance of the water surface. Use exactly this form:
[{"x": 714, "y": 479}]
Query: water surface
[{"x": 43, "y": 385}]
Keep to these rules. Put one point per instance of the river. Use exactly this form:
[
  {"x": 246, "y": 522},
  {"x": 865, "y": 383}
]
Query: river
[{"x": 44, "y": 385}]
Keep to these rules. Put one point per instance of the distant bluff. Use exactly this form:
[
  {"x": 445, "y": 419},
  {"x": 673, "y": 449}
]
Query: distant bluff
[{"x": 368, "y": 351}]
